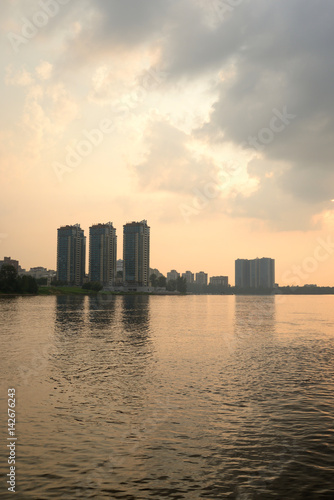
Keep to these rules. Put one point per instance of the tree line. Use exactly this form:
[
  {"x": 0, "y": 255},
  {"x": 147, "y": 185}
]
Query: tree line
[{"x": 10, "y": 282}]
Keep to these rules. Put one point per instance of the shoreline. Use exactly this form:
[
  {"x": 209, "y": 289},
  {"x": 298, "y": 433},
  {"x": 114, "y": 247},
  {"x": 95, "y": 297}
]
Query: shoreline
[{"x": 56, "y": 291}]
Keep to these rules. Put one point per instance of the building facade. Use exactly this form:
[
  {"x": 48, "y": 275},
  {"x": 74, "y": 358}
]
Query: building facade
[
  {"x": 136, "y": 253},
  {"x": 255, "y": 273},
  {"x": 242, "y": 277},
  {"x": 8, "y": 261},
  {"x": 189, "y": 277},
  {"x": 219, "y": 280},
  {"x": 102, "y": 253},
  {"x": 71, "y": 255},
  {"x": 201, "y": 278},
  {"x": 172, "y": 275}
]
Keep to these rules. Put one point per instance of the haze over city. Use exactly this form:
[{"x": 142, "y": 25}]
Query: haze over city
[{"x": 182, "y": 113}]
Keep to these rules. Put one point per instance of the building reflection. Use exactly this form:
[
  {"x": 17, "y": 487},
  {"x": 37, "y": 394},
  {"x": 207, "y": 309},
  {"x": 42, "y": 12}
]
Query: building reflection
[
  {"x": 69, "y": 316},
  {"x": 101, "y": 310},
  {"x": 254, "y": 315},
  {"x": 135, "y": 314}
]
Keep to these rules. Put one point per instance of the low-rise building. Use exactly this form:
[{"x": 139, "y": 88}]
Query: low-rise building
[
  {"x": 201, "y": 278},
  {"x": 219, "y": 280},
  {"x": 8, "y": 261},
  {"x": 172, "y": 275},
  {"x": 189, "y": 277}
]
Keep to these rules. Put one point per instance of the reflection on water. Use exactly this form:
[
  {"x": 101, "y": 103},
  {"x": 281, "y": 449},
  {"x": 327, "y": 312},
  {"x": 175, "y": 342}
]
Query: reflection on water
[
  {"x": 135, "y": 313},
  {"x": 101, "y": 311},
  {"x": 69, "y": 313},
  {"x": 190, "y": 397},
  {"x": 254, "y": 314}
]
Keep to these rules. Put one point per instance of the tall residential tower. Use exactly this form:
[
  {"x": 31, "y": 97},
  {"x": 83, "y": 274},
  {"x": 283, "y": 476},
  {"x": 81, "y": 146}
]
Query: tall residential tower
[
  {"x": 102, "y": 253},
  {"x": 71, "y": 255},
  {"x": 136, "y": 253},
  {"x": 256, "y": 273}
]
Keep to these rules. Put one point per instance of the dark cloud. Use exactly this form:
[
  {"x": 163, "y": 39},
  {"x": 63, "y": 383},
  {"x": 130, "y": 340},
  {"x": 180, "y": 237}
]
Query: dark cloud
[
  {"x": 283, "y": 61},
  {"x": 268, "y": 57}
]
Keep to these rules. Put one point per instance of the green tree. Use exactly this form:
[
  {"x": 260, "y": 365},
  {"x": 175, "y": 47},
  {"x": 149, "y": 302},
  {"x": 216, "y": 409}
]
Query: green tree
[
  {"x": 42, "y": 281},
  {"x": 27, "y": 284},
  {"x": 56, "y": 282},
  {"x": 181, "y": 285},
  {"x": 8, "y": 279},
  {"x": 171, "y": 285},
  {"x": 92, "y": 285},
  {"x": 154, "y": 280},
  {"x": 162, "y": 281}
]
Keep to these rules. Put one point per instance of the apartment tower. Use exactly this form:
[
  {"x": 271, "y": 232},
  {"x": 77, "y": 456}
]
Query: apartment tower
[
  {"x": 136, "y": 253},
  {"x": 71, "y": 255},
  {"x": 102, "y": 253}
]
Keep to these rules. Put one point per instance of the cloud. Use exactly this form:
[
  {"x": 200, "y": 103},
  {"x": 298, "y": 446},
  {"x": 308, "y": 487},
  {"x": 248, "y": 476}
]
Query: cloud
[
  {"x": 18, "y": 78},
  {"x": 170, "y": 165},
  {"x": 262, "y": 57},
  {"x": 44, "y": 70}
]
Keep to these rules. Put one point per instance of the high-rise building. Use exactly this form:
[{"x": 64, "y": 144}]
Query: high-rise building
[
  {"x": 172, "y": 275},
  {"x": 266, "y": 273},
  {"x": 102, "y": 253},
  {"x": 189, "y": 277},
  {"x": 71, "y": 255},
  {"x": 136, "y": 253},
  {"x": 242, "y": 277},
  {"x": 201, "y": 278},
  {"x": 256, "y": 273}
]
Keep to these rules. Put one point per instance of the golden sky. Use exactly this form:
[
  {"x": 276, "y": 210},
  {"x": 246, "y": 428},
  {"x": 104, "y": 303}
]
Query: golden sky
[{"x": 212, "y": 120}]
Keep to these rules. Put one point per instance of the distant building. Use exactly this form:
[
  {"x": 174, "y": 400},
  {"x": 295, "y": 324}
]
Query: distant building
[
  {"x": 219, "y": 280},
  {"x": 201, "y": 278},
  {"x": 71, "y": 255},
  {"x": 41, "y": 272},
  {"x": 8, "y": 261},
  {"x": 189, "y": 277},
  {"x": 172, "y": 275},
  {"x": 119, "y": 265},
  {"x": 136, "y": 253},
  {"x": 256, "y": 273},
  {"x": 242, "y": 277},
  {"x": 156, "y": 272},
  {"x": 102, "y": 253}
]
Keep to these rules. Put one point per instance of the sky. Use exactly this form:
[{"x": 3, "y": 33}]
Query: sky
[{"x": 213, "y": 120}]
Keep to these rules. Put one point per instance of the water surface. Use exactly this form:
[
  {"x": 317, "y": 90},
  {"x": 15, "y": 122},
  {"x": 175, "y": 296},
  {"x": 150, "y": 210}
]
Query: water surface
[{"x": 148, "y": 397}]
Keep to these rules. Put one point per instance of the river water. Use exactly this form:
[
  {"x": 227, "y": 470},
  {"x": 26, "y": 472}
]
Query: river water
[{"x": 153, "y": 397}]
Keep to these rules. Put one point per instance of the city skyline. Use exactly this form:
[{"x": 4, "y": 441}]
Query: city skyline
[
  {"x": 110, "y": 252},
  {"x": 219, "y": 146},
  {"x": 136, "y": 270}
]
